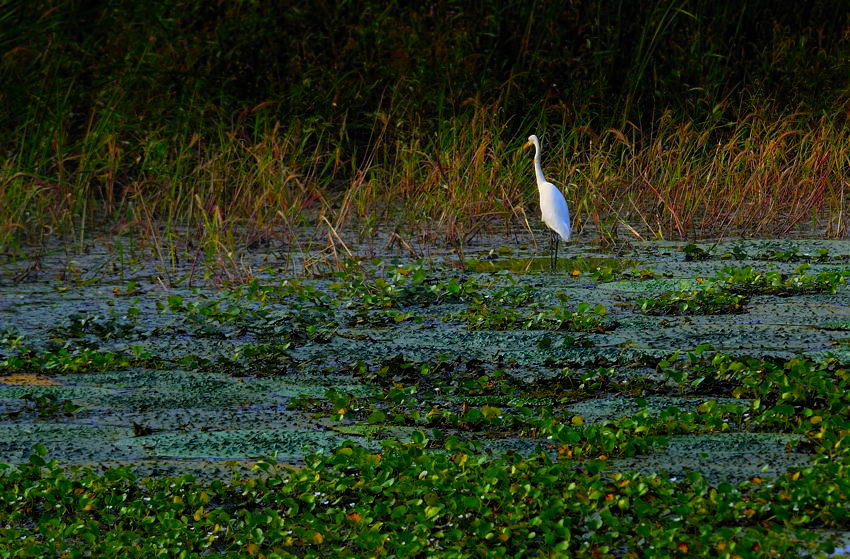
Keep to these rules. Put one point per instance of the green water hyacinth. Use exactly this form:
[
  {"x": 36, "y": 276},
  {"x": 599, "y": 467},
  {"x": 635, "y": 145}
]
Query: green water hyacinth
[
  {"x": 499, "y": 317},
  {"x": 713, "y": 300},
  {"x": 406, "y": 501},
  {"x": 749, "y": 281}
]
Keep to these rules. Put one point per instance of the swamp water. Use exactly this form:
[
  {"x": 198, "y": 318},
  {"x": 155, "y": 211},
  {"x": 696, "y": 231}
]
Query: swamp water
[{"x": 196, "y": 380}]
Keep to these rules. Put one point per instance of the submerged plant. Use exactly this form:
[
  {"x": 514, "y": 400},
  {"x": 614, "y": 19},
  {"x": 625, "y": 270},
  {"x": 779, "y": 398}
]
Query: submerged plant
[
  {"x": 114, "y": 326},
  {"x": 46, "y": 406}
]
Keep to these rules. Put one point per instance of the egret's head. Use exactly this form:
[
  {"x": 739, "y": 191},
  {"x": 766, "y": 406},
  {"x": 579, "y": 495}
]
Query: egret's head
[{"x": 532, "y": 141}]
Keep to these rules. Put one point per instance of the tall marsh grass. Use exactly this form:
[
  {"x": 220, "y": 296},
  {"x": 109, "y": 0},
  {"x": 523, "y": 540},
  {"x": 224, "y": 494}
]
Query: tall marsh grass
[
  {"x": 764, "y": 175},
  {"x": 204, "y": 128}
]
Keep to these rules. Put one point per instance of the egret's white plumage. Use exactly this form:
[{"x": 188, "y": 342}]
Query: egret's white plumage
[{"x": 553, "y": 206}]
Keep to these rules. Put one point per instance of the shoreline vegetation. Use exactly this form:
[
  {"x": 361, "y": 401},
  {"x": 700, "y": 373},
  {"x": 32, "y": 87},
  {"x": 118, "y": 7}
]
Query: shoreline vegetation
[{"x": 244, "y": 123}]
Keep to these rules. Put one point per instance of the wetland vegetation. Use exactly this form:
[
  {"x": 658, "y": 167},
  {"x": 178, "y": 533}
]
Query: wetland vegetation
[
  {"x": 272, "y": 282},
  {"x": 402, "y": 408}
]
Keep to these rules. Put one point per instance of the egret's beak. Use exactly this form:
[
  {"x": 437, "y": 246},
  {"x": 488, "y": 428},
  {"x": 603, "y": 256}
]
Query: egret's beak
[{"x": 526, "y": 146}]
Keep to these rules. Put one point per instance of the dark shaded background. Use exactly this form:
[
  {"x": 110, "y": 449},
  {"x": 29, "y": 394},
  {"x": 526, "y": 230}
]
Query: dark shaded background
[{"x": 600, "y": 62}]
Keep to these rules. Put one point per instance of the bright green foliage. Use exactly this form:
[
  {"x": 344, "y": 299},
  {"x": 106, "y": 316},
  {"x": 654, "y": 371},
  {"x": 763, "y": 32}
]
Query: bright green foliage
[
  {"x": 406, "y": 501},
  {"x": 797, "y": 395},
  {"x": 693, "y": 252},
  {"x": 290, "y": 311},
  {"x": 611, "y": 273},
  {"x": 499, "y": 317},
  {"x": 71, "y": 359},
  {"x": 777, "y": 254},
  {"x": 748, "y": 281},
  {"x": 696, "y": 301},
  {"x": 402, "y": 287},
  {"x": 732, "y": 288},
  {"x": 82, "y": 324}
]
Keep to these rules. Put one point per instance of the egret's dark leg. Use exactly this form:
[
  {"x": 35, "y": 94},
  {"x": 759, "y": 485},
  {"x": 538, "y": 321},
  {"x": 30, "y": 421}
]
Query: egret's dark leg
[
  {"x": 557, "y": 242},
  {"x": 552, "y": 248}
]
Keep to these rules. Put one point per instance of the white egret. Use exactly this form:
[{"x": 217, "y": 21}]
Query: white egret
[{"x": 553, "y": 206}]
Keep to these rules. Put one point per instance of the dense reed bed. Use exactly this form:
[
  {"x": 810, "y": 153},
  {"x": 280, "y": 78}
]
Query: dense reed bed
[{"x": 244, "y": 123}]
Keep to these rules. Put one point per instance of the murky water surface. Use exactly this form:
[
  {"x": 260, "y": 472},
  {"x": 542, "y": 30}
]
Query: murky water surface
[{"x": 205, "y": 399}]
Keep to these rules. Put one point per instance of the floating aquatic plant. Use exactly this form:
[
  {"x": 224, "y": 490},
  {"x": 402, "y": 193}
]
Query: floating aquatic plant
[{"x": 712, "y": 300}]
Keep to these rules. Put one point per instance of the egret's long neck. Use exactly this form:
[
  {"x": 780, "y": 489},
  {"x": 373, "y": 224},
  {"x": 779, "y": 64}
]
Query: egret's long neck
[{"x": 538, "y": 170}]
